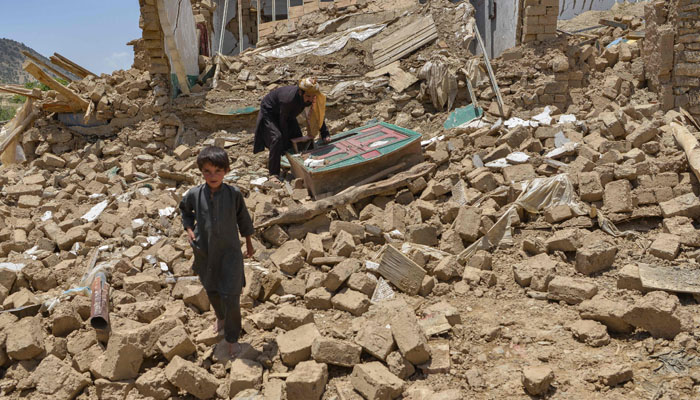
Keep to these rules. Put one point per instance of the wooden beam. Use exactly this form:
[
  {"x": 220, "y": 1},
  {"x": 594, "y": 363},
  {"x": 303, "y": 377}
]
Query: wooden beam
[
  {"x": 690, "y": 146},
  {"x": 22, "y": 120},
  {"x": 53, "y": 70},
  {"x": 492, "y": 76},
  {"x": 400, "y": 270},
  {"x": 240, "y": 26},
  {"x": 78, "y": 102},
  {"x": 83, "y": 71},
  {"x": 58, "y": 62},
  {"x": 20, "y": 91},
  {"x": 258, "y": 25},
  {"x": 57, "y": 106}
]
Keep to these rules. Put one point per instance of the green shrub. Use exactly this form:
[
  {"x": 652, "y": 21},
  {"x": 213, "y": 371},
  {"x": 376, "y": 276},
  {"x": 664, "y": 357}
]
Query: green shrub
[{"x": 6, "y": 113}]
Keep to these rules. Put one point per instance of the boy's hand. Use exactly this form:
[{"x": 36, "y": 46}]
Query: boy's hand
[
  {"x": 190, "y": 235},
  {"x": 249, "y": 251}
]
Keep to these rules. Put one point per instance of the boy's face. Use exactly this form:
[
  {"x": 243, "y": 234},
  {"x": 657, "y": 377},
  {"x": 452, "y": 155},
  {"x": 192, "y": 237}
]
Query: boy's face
[{"x": 213, "y": 175}]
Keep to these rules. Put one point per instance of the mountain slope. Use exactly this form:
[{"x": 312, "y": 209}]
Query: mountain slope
[{"x": 11, "y": 59}]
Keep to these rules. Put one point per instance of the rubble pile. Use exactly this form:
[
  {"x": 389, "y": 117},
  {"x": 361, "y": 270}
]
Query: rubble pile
[{"x": 539, "y": 248}]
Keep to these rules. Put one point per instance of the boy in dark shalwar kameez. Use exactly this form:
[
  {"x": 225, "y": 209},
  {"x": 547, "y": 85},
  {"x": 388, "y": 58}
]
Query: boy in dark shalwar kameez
[{"x": 213, "y": 214}]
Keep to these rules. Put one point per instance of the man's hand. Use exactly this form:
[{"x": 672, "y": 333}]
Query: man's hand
[
  {"x": 249, "y": 251},
  {"x": 190, "y": 235}
]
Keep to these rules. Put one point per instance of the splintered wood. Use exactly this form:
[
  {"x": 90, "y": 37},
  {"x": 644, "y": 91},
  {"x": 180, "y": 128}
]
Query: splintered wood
[
  {"x": 401, "y": 270},
  {"x": 77, "y": 102},
  {"x": 404, "y": 41}
]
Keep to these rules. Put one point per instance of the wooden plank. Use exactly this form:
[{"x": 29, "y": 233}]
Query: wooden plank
[
  {"x": 396, "y": 53},
  {"x": 612, "y": 24},
  {"x": 20, "y": 91},
  {"x": 84, "y": 71},
  {"x": 492, "y": 76},
  {"x": 404, "y": 41},
  {"x": 57, "y": 106},
  {"x": 43, "y": 64},
  {"x": 78, "y": 102},
  {"x": 27, "y": 114},
  {"x": 672, "y": 279},
  {"x": 401, "y": 270},
  {"x": 240, "y": 26},
  {"x": 58, "y": 62},
  {"x": 415, "y": 37}
]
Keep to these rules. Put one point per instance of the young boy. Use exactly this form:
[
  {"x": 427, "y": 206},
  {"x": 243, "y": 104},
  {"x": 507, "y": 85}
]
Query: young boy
[{"x": 213, "y": 214}]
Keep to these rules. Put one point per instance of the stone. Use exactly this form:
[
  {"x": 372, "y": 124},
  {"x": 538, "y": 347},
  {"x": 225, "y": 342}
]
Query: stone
[
  {"x": 608, "y": 312},
  {"x": 409, "y": 337},
  {"x": 376, "y": 339},
  {"x": 245, "y": 374},
  {"x": 289, "y": 317},
  {"x": 399, "y": 366},
  {"x": 349, "y": 300},
  {"x": 590, "y": 332},
  {"x": 656, "y": 313},
  {"x": 196, "y": 296},
  {"x": 121, "y": 360},
  {"x": 537, "y": 379},
  {"x": 25, "y": 339},
  {"x": 374, "y": 381},
  {"x": 176, "y": 342},
  {"x": 628, "y": 278},
  {"x": 362, "y": 282},
  {"x": 289, "y": 257},
  {"x": 319, "y": 298},
  {"x": 344, "y": 244},
  {"x": 571, "y": 290},
  {"x": 65, "y": 319},
  {"x": 686, "y": 205},
  {"x": 618, "y": 196},
  {"x": 340, "y": 273},
  {"x": 335, "y": 352},
  {"x": 558, "y": 213},
  {"x": 666, "y": 246},
  {"x": 595, "y": 258},
  {"x": 307, "y": 381},
  {"x": 58, "y": 380},
  {"x": 467, "y": 223},
  {"x": 295, "y": 345},
  {"x": 153, "y": 383},
  {"x": 615, "y": 374},
  {"x": 195, "y": 380}
]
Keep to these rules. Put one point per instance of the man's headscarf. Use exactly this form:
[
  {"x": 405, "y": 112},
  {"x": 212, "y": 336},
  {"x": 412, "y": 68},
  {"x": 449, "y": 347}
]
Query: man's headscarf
[{"x": 317, "y": 112}]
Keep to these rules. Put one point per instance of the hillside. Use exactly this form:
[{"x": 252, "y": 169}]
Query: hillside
[{"x": 11, "y": 60}]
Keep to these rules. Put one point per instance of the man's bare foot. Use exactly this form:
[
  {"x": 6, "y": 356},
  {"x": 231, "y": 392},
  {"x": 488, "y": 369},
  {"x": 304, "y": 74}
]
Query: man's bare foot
[
  {"x": 218, "y": 326},
  {"x": 275, "y": 179},
  {"x": 234, "y": 349}
]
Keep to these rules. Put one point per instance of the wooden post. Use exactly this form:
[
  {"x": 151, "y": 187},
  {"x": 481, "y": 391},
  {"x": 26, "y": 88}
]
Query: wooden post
[
  {"x": 45, "y": 65},
  {"x": 223, "y": 27},
  {"x": 258, "y": 25},
  {"x": 240, "y": 26},
  {"x": 494, "y": 83},
  {"x": 76, "y": 101},
  {"x": 274, "y": 10},
  {"x": 690, "y": 146}
]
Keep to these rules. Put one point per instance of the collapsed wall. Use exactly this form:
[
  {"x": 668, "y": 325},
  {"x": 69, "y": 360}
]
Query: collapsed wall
[{"x": 672, "y": 53}]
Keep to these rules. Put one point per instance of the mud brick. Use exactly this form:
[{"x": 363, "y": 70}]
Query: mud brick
[
  {"x": 122, "y": 360},
  {"x": 410, "y": 339},
  {"x": 352, "y": 301},
  {"x": 340, "y": 273},
  {"x": 290, "y": 317},
  {"x": 665, "y": 246},
  {"x": 485, "y": 181},
  {"x": 564, "y": 240},
  {"x": 684, "y": 229},
  {"x": 295, "y": 345},
  {"x": 558, "y": 213},
  {"x": 687, "y": 205},
  {"x": 56, "y": 379},
  {"x": 537, "y": 379},
  {"x": 656, "y": 313},
  {"x": 245, "y": 374},
  {"x": 608, "y": 312},
  {"x": 289, "y": 257},
  {"x": 176, "y": 343},
  {"x": 618, "y": 197},
  {"x": 195, "y": 380},
  {"x": 595, "y": 258},
  {"x": 313, "y": 245},
  {"x": 374, "y": 381},
  {"x": 25, "y": 339},
  {"x": 335, "y": 352},
  {"x": 571, "y": 290},
  {"x": 307, "y": 381},
  {"x": 519, "y": 173},
  {"x": 376, "y": 339},
  {"x": 468, "y": 223},
  {"x": 319, "y": 298},
  {"x": 182, "y": 152},
  {"x": 589, "y": 186}
]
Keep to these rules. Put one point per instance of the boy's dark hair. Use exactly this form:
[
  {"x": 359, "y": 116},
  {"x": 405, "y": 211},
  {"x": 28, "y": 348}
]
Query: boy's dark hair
[{"x": 216, "y": 156}]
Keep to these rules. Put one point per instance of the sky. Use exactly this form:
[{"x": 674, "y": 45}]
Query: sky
[{"x": 91, "y": 33}]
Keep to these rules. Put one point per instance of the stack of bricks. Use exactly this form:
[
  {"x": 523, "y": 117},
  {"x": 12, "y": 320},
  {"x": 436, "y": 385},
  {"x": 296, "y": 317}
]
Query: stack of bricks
[
  {"x": 152, "y": 35},
  {"x": 686, "y": 71},
  {"x": 539, "y": 20},
  {"x": 296, "y": 12}
]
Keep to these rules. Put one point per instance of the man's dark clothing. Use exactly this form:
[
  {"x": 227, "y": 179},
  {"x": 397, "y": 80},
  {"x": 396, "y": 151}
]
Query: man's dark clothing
[
  {"x": 277, "y": 124},
  {"x": 216, "y": 219}
]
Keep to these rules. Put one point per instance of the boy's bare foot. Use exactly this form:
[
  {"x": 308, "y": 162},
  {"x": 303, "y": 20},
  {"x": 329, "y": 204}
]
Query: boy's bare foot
[
  {"x": 218, "y": 326},
  {"x": 275, "y": 179},
  {"x": 234, "y": 349}
]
